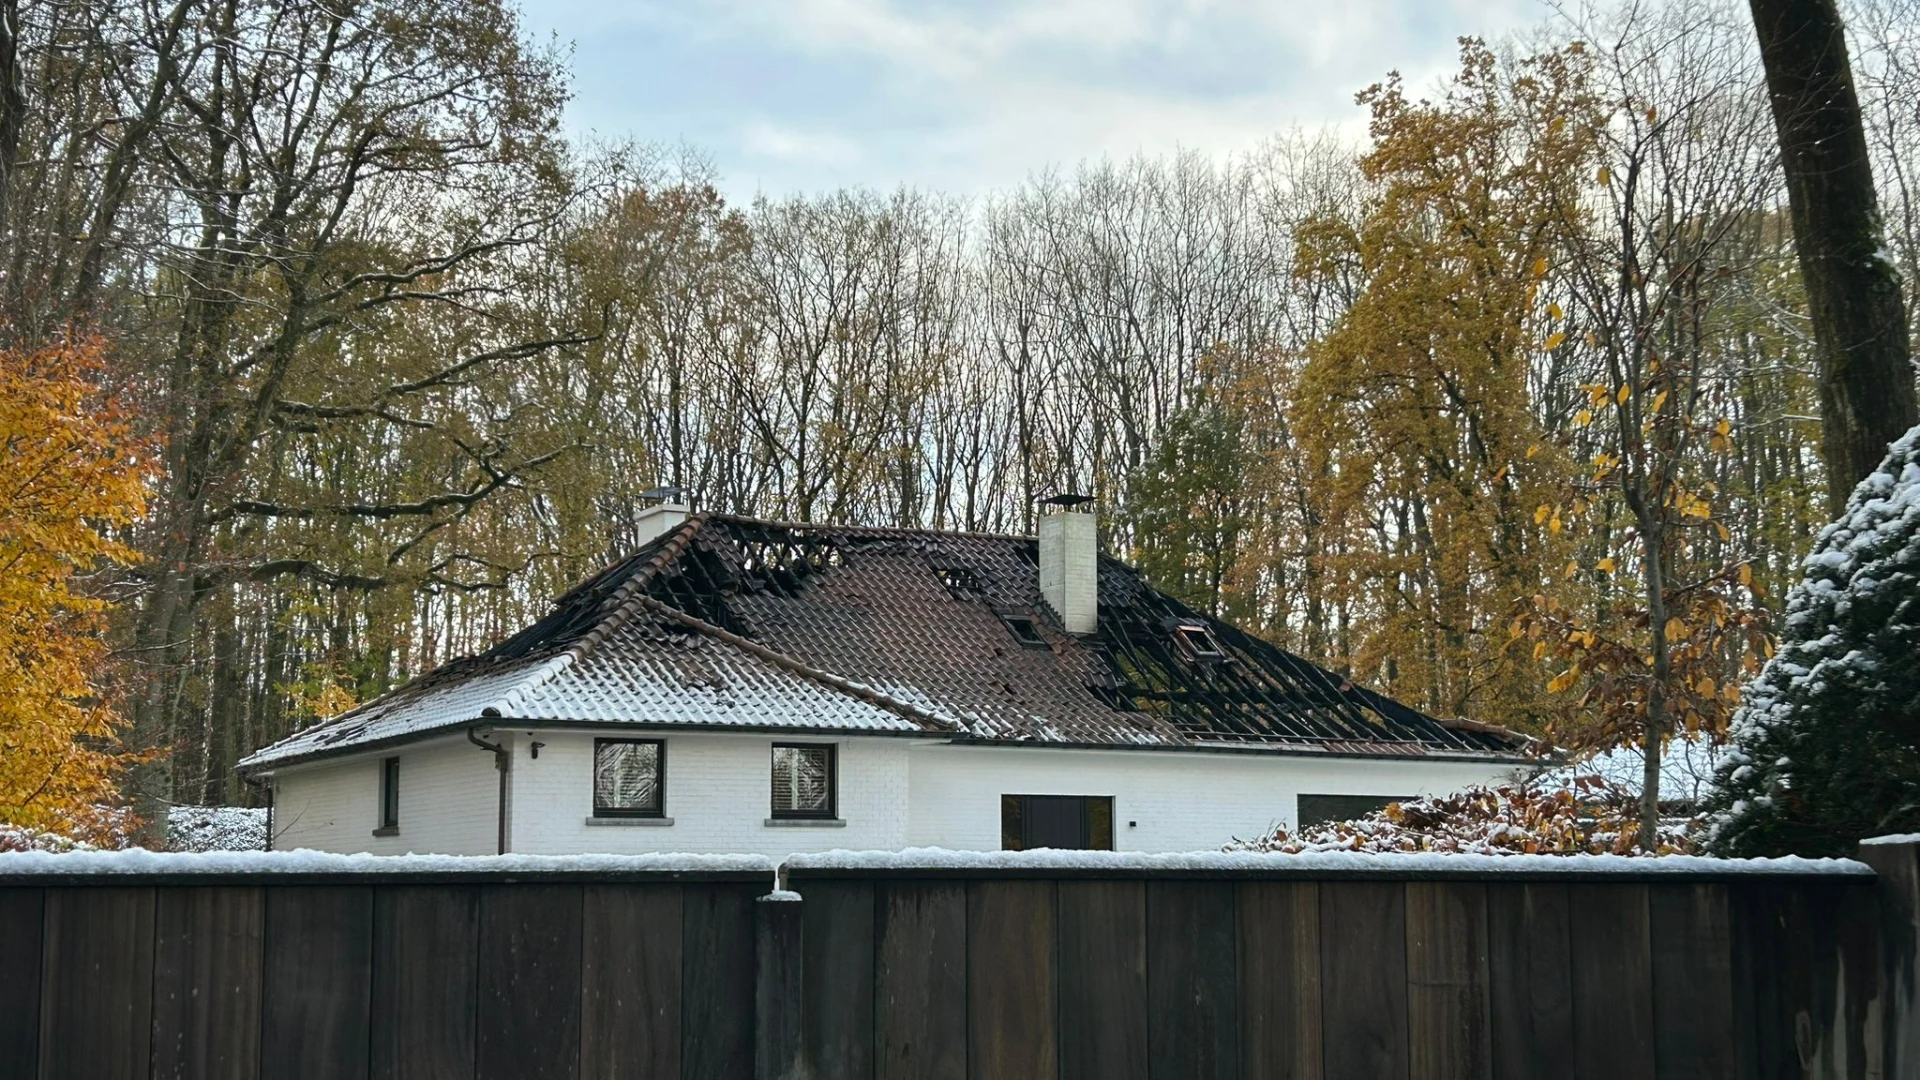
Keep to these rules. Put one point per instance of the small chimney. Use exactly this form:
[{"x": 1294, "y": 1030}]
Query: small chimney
[
  {"x": 665, "y": 508},
  {"x": 1070, "y": 561}
]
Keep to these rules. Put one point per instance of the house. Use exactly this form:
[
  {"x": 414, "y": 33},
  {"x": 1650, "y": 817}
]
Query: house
[{"x": 740, "y": 685}]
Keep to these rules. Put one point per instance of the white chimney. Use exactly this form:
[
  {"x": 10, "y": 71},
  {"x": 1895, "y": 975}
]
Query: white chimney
[
  {"x": 1070, "y": 561},
  {"x": 666, "y": 508}
]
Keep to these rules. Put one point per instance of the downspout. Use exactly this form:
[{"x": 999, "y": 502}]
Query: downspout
[{"x": 503, "y": 762}]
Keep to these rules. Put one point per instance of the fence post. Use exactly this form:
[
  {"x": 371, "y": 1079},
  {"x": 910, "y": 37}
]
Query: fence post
[
  {"x": 1896, "y": 859},
  {"x": 776, "y": 990}
]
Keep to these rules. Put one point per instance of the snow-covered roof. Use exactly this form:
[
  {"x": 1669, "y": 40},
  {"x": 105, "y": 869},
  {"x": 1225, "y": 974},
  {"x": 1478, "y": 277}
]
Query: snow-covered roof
[{"x": 733, "y": 622}]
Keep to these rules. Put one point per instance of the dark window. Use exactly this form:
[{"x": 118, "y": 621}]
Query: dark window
[
  {"x": 390, "y": 793},
  {"x": 803, "y": 780},
  {"x": 629, "y": 777},
  {"x": 1024, "y": 631},
  {"x": 1319, "y": 809},
  {"x": 961, "y": 581},
  {"x": 1198, "y": 642},
  {"x": 1067, "y": 822}
]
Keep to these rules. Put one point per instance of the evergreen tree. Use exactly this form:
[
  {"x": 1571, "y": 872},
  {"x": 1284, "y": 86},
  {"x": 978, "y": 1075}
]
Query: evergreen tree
[{"x": 1827, "y": 747}]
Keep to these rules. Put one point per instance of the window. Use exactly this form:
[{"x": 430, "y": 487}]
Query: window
[
  {"x": 803, "y": 780},
  {"x": 629, "y": 777},
  {"x": 390, "y": 795},
  {"x": 1025, "y": 632},
  {"x": 1198, "y": 642},
  {"x": 1068, "y": 822},
  {"x": 1319, "y": 809}
]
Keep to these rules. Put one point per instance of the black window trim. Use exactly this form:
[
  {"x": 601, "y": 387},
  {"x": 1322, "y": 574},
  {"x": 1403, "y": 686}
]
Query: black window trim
[
  {"x": 660, "y": 783},
  {"x": 832, "y": 811},
  {"x": 389, "y": 796}
]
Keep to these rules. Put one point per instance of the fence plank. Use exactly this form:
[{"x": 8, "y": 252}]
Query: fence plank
[
  {"x": 1103, "y": 980},
  {"x": 96, "y": 1018},
  {"x": 425, "y": 982},
  {"x": 1011, "y": 938},
  {"x": 529, "y": 989},
  {"x": 22, "y": 915},
  {"x": 206, "y": 983},
  {"x": 317, "y": 978},
  {"x": 920, "y": 982},
  {"x": 836, "y": 1009},
  {"x": 1363, "y": 974},
  {"x": 631, "y": 977},
  {"x": 1530, "y": 980},
  {"x": 1279, "y": 926},
  {"x": 1447, "y": 1030},
  {"x": 1692, "y": 983},
  {"x": 1612, "y": 983},
  {"x": 1193, "y": 980},
  {"x": 717, "y": 980}
]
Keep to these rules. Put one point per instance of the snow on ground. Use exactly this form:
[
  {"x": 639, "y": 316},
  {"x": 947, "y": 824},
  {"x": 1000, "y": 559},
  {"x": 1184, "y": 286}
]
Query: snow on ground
[{"x": 217, "y": 828}]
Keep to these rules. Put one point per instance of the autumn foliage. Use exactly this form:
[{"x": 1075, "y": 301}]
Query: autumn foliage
[
  {"x": 1587, "y": 815},
  {"x": 72, "y": 471}
]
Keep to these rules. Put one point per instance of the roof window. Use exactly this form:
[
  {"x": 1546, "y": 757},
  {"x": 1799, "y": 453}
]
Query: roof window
[
  {"x": 1024, "y": 631},
  {"x": 1198, "y": 642}
]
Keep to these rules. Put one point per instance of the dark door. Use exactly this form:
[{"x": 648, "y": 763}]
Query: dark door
[
  {"x": 1055, "y": 821},
  {"x": 1067, "y": 822}
]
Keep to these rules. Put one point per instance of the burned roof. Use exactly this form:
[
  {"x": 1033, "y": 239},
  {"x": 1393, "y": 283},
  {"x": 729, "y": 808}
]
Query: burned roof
[{"x": 730, "y": 621}]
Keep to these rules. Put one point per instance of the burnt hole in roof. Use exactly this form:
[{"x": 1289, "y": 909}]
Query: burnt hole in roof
[{"x": 962, "y": 582}]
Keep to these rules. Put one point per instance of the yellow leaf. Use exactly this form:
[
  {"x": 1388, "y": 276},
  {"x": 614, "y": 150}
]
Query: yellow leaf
[
  {"x": 1625, "y": 391},
  {"x": 1676, "y": 630},
  {"x": 1554, "y": 341},
  {"x": 1553, "y": 524},
  {"x": 1659, "y": 399},
  {"x": 1553, "y": 311},
  {"x": 1539, "y": 649},
  {"x": 1706, "y": 686},
  {"x": 1540, "y": 267},
  {"x": 1561, "y": 682},
  {"x": 1723, "y": 428},
  {"x": 1604, "y": 176},
  {"x": 1582, "y": 418},
  {"x": 1532, "y": 450},
  {"x": 1501, "y": 474},
  {"x": 1605, "y": 565},
  {"x": 1746, "y": 574},
  {"x": 1722, "y": 530},
  {"x": 1540, "y": 515},
  {"x": 1572, "y": 569}
]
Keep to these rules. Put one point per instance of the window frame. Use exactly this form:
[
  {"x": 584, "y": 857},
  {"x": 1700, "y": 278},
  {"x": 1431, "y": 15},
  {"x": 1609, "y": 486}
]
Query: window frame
[
  {"x": 1096, "y": 820},
  {"x": 389, "y": 820},
  {"x": 659, "y": 785},
  {"x": 832, "y": 811}
]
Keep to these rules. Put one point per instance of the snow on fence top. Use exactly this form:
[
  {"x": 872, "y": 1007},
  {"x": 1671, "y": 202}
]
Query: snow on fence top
[
  {"x": 912, "y": 862},
  {"x": 316, "y": 863},
  {"x": 937, "y": 861}
]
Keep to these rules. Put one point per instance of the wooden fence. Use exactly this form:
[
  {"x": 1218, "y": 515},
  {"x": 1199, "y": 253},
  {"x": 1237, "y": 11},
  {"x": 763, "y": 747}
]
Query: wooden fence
[{"x": 948, "y": 973}]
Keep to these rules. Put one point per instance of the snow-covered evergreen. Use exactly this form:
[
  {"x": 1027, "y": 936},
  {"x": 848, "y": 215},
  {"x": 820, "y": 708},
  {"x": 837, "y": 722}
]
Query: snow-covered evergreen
[{"x": 1826, "y": 748}]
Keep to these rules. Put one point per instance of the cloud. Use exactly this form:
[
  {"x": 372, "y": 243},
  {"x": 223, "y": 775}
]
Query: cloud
[{"x": 972, "y": 95}]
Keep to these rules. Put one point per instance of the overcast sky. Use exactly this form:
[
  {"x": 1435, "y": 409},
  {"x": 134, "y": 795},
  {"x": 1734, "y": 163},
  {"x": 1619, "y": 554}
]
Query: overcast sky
[{"x": 966, "y": 96}]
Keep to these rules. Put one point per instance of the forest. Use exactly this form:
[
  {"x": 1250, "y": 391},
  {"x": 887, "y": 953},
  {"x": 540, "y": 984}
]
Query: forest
[{"x": 1509, "y": 410}]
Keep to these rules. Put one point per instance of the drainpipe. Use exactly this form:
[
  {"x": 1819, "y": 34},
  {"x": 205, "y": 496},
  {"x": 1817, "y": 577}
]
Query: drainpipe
[
  {"x": 503, "y": 762},
  {"x": 266, "y": 786}
]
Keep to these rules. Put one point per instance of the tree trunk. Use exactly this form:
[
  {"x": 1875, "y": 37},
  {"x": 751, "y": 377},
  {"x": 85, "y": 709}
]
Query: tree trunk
[{"x": 1867, "y": 397}]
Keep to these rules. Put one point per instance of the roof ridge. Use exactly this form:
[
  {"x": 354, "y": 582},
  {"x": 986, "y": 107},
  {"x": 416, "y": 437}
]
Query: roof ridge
[
  {"x": 800, "y": 668},
  {"x": 887, "y": 530},
  {"x": 623, "y": 599}
]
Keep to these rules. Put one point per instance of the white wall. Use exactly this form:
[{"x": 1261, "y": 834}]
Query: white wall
[
  {"x": 1163, "y": 800},
  {"x": 719, "y": 796},
  {"x": 893, "y": 793},
  {"x": 447, "y": 798}
]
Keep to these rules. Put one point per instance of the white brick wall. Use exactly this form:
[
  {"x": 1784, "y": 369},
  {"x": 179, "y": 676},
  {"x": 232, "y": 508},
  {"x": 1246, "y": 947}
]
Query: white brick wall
[
  {"x": 719, "y": 795},
  {"x": 447, "y": 797},
  {"x": 893, "y": 793},
  {"x": 1163, "y": 801}
]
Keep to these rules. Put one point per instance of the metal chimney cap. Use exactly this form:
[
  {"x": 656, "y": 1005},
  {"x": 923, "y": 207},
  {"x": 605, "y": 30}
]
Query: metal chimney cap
[
  {"x": 665, "y": 493},
  {"x": 1067, "y": 500}
]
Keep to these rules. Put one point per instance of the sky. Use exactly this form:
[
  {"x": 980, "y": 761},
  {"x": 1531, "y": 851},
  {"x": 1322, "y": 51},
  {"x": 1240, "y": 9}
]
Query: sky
[{"x": 972, "y": 96}]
